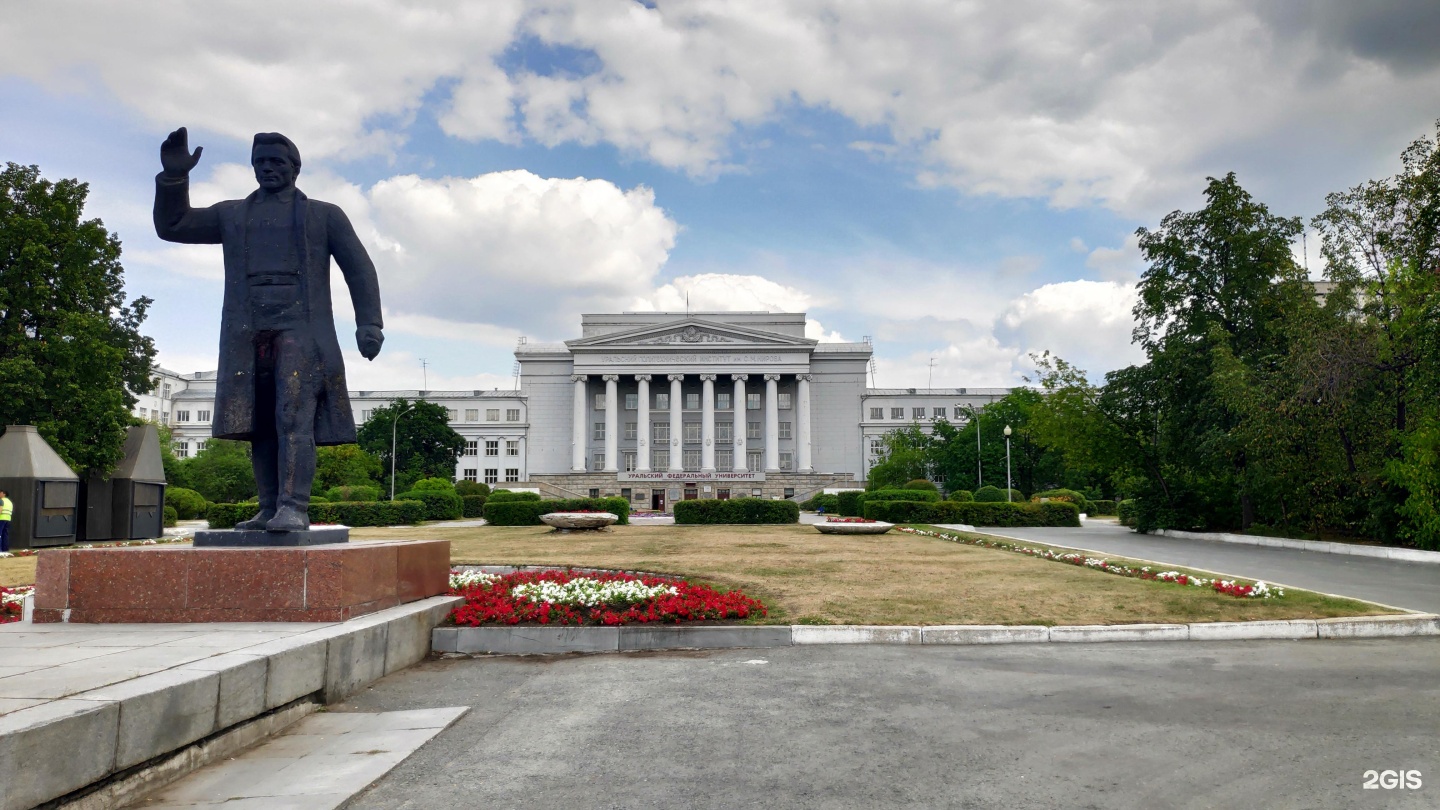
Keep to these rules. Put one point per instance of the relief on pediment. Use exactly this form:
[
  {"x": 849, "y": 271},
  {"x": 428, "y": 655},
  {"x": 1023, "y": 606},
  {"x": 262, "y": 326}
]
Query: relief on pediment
[{"x": 689, "y": 334}]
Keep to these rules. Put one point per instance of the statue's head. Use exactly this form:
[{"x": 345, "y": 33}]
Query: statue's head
[{"x": 276, "y": 161}]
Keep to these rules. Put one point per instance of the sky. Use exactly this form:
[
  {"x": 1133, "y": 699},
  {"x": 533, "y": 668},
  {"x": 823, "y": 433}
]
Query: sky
[{"x": 959, "y": 182}]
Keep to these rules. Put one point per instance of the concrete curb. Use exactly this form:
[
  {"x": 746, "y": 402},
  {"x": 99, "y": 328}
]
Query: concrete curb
[
  {"x": 1325, "y": 547},
  {"x": 555, "y": 640}
]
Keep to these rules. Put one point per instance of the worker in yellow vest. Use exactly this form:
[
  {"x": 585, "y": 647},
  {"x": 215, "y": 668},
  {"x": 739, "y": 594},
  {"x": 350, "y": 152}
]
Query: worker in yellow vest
[{"x": 6, "y": 510}]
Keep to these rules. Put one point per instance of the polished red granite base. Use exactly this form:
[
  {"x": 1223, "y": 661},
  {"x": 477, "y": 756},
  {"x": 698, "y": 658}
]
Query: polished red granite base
[{"x": 184, "y": 584}]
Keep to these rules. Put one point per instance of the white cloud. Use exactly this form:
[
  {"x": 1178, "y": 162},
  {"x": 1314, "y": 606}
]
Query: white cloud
[
  {"x": 401, "y": 370},
  {"x": 1085, "y": 322},
  {"x": 1123, "y": 264},
  {"x": 723, "y": 292},
  {"x": 817, "y": 331}
]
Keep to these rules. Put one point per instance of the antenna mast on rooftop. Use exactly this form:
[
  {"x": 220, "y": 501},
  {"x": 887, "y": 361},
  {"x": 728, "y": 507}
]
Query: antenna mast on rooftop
[
  {"x": 867, "y": 342},
  {"x": 424, "y": 374},
  {"x": 931, "y": 378}
]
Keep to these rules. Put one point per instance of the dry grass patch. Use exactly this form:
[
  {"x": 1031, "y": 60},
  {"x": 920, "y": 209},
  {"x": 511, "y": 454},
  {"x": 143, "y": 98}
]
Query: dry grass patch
[
  {"x": 807, "y": 577},
  {"x": 17, "y": 571}
]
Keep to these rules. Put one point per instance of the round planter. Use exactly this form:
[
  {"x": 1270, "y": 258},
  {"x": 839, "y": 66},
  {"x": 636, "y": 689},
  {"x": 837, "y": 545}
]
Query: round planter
[
  {"x": 579, "y": 520},
  {"x": 878, "y": 527}
]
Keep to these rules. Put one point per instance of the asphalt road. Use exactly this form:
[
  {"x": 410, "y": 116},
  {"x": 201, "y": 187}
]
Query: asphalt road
[
  {"x": 1403, "y": 584},
  {"x": 1160, "y": 725}
]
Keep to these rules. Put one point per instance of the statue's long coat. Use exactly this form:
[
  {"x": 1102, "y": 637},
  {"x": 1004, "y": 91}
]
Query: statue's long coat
[{"x": 322, "y": 231}]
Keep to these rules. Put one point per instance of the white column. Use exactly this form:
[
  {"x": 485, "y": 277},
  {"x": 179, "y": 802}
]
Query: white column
[
  {"x": 581, "y": 416},
  {"x": 804, "y": 462},
  {"x": 739, "y": 416},
  {"x": 772, "y": 422},
  {"x": 642, "y": 435},
  {"x": 677, "y": 423},
  {"x": 707, "y": 423},
  {"x": 612, "y": 421}
]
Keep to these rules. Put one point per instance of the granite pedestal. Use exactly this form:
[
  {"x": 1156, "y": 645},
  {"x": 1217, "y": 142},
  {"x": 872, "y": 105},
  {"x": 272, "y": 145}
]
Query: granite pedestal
[
  {"x": 324, "y": 583},
  {"x": 260, "y": 538}
]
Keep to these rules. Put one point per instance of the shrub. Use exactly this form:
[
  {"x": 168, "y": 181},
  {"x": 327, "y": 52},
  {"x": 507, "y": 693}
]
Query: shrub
[
  {"x": 350, "y": 513},
  {"x": 1125, "y": 510},
  {"x": 848, "y": 503},
  {"x": 439, "y": 504},
  {"x": 737, "y": 510},
  {"x": 188, "y": 503},
  {"x": 472, "y": 506},
  {"x": 171, "y": 516},
  {"x": 921, "y": 484},
  {"x": 920, "y": 495},
  {"x": 503, "y": 495},
  {"x": 961, "y": 496},
  {"x": 319, "y": 499},
  {"x": 1067, "y": 495},
  {"x": 983, "y": 513},
  {"x": 989, "y": 494},
  {"x": 830, "y": 503},
  {"x": 353, "y": 493},
  {"x": 527, "y": 512},
  {"x": 1102, "y": 507},
  {"x": 433, "y": 485},
  {"x": 463, "y": 488}
]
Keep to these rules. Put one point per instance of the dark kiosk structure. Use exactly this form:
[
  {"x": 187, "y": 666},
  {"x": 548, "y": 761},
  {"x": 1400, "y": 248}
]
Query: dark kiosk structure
[
  {"x": 43, "y": 488},
  {"x": 130, "y": 503},
  {"x": 281, "y": 379}
]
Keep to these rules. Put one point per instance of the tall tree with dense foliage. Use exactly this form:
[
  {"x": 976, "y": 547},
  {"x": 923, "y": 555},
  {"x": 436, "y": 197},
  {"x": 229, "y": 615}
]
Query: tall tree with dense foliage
[
  {"x": 71, "y": 351},
  {"x": 222, "y": 472},
  {"x": 343, "y": 465},
  {"x": 425, "y": 444}
]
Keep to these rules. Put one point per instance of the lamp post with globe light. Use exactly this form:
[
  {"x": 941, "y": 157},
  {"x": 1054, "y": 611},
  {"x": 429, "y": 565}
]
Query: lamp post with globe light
[
  {"x": 395, "y": 423},
  {"x": 1007, "y": 464}
]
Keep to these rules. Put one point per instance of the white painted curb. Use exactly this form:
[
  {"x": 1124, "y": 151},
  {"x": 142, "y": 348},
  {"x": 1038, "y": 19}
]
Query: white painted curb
[{"x": 1351, "y": 549}]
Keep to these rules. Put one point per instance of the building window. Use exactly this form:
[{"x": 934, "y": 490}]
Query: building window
[
  {"x": 877, "y": 446},
  {"x": 752, "y": 462},
  {"x": 182, "y": 416},
  {"x": 787, "y": 461},
  {"x": 660, "y": 431},
  {"x": 691, "y": 459},
  {"x": 492, "y": 414},
  {"x": 722, "y": 493},
  {"x": 202, "y": 416},
  {"x": 492, "y": 475},
  {"x": 512, "y": 474},
  {"x": 599, "y": 402},
  {"x": 452, "y": 415},
  {"x": 662, "y": 402},
  {"x": 752, "y": 402},
  {"x": 752, "y": 430},
  {"x": 659, "y": 459},
  {"x": 594, "y": 492},
  {"x": 757, "y": 492},
  {"x": 940, "y": 413},
  {"x": 598, "y": 434},
  {"x": 364, "y": 415},
  {"x": 200, "y": 446},
  {"x": 897, "y": 413},
  {"x": 165, "y": 417},
  {"x": 472, "y": 414},
  {"x": 629, "y": 462},
  {"x": 492, "y": 447},
  {"x": 512, "y": 415},
  {"x": 632, "y": 402},
  {"x": 917, "y": 413},
  {"x": 182, "y": 449},
  {"x": 784, "y": 430},
  {"x": 632, "y": 430},
  {"x": 722, "y": 401},
  {"x": 472, "y": 447},
  {"x": 470, "y": 474},
  {"x": 599, "y": 462},
  {"x": 692, "y": 432},
  {"x": 512, "y": 447},
  {"x": 692, "y": 402},
  {"x": 724, "y": 459},
  {"x": 144, "y": 413},
  {"x": 625, "y": 492},
  {"x": 165, "y": 391},
  {"x": 784, "y": 400},
  {"x": 877, "y": 413},
  {"x": 789, "y": 492},
  {"x": 724, "y": 432}
]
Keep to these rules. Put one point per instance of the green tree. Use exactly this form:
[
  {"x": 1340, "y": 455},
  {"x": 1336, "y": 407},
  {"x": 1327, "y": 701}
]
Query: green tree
[
  {"x": 344, "y": 465},
  {"x": 426, "y": 446},
  {"x": 905, "y": 458},
  {"x": 71, "y": 351},
  {"x": 222, "y": 472}
]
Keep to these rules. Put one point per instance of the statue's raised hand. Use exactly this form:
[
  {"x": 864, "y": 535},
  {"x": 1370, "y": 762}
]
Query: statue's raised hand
[{"x": 175, "y": 156}]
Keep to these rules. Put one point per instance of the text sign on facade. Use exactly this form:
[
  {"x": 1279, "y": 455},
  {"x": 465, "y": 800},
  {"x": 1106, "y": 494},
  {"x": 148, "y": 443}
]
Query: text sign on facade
[
  {"x": 679, "y": 359},
  {"x": 667, "y": 475}
]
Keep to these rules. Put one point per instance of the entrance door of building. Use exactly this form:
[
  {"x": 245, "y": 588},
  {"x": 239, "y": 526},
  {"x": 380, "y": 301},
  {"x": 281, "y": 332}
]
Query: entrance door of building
[
  {"x": 657, "y": 500},
  {"x": 722, "y": 494}
]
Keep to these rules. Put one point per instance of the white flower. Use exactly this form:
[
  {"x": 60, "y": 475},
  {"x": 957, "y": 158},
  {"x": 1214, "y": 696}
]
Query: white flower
[
  {"x": 590, "y": 592},
  {"x": 460, "y": 580}
]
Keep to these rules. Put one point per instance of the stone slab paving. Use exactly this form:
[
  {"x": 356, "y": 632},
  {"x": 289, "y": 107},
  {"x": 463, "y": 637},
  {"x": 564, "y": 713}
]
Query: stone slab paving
[{"x": 317, "y": 764}]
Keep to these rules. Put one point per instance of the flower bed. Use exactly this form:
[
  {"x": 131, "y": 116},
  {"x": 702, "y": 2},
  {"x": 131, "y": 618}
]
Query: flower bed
[
  {"x": 12, "y": 602},
  {"x": 1254, "y": 590},
  {"x": 848, "y": 520},
  {"x": 573, "y": 598}
]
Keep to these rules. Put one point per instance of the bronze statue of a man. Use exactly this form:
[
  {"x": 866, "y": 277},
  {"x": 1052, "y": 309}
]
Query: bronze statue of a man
[{"x": 281, "y": 379}]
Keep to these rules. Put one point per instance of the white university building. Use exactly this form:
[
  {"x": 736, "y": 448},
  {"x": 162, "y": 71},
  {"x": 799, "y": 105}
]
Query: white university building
[{"x": 656, "y": 407}]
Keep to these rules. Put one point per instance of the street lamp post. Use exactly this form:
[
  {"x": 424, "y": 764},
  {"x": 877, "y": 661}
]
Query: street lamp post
[
  {"x": 393, "y": 424},
  {"x": 979, "y": 469},
  {"x": 1007, "y": 466}
]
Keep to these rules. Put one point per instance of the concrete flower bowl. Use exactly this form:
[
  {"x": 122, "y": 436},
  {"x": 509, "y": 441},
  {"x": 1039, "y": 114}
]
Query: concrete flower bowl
[
  {"x": 878, "y": 527},
  {"x": 579, "y": 520}
]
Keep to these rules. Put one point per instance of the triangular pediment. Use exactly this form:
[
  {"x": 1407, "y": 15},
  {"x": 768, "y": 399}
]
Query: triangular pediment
[{"x": 690, "y": 332}]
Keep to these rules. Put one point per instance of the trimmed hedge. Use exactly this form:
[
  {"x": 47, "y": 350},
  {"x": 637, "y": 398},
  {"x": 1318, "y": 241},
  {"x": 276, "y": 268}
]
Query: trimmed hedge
[
  {"x": 170, "y": 516},
  {"x": 502, "y": 495},
  {"x": 989, "y": 494},
  {"x": 1069, "y": 495},
  {"x": 975, "y": 513},
  {"x": 921, "y": 483},
  {"x": 463, "y": 488},
  {"x": 439, "y": 504},
  {"x": 736, "y": 510},
  {"x": 349, "y": 513},
  {"x": 961, "y": 496},
  {"x": 830, "y": 503},
  {"x": 433, "y": 485},
  {"x": 1126, "y": 511},
  {"x": 1102, "y": 507},
  {"x": 472, "y": 506},
  {"x": 849, "y": 503},
  {"x": 353, "y": 493},
  {"x": 188, "y": 503},
  {"x": 527, "y": 512},
  {"x": 921, "y": 495}
]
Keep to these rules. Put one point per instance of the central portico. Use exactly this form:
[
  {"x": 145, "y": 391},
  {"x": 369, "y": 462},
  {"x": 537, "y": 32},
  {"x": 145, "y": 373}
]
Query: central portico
[{"x": 702, "y": 400}]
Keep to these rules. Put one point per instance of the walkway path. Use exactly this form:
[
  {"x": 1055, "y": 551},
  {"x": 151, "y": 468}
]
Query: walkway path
[{"x": 1409, "y": 585}]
